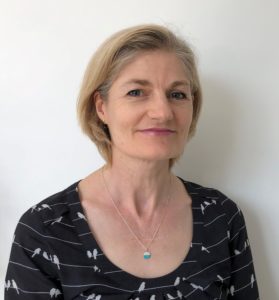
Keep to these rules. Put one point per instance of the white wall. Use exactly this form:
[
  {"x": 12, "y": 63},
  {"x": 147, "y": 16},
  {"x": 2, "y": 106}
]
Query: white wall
[{"x": 44, "y": 48}]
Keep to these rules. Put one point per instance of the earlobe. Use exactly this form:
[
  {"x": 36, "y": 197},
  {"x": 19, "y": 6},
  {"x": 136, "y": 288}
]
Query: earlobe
[{"x": 99, "y": 105}]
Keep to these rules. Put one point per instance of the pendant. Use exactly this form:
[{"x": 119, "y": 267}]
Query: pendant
[{"x": 146, "y": 255}]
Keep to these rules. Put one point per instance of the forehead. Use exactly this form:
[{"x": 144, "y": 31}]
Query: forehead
[{"x": 153, "y": 66}]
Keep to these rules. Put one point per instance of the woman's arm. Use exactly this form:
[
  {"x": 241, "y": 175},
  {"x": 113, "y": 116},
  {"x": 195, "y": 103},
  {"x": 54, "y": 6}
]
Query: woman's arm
[
  {"x": 243, "y": 283},
  {"x": 32, "y": 270}
]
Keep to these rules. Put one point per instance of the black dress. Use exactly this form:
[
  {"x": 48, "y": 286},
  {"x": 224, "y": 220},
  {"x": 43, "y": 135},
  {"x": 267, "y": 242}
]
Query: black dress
[{"x": 55, "y": 256}]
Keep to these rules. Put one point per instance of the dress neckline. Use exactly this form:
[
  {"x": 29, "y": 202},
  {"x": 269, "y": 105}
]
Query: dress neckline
[{"x": 91, "y": 244}]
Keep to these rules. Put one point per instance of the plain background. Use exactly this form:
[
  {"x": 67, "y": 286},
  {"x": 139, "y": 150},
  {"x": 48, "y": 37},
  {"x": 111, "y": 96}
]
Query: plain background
[{"x": 44, "y": 49}]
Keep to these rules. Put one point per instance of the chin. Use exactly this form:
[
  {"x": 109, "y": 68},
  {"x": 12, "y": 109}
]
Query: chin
[{"x": 158, "y": 156}]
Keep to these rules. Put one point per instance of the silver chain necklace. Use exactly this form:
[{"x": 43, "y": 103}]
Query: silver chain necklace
[{"x": 147, "y": 253}]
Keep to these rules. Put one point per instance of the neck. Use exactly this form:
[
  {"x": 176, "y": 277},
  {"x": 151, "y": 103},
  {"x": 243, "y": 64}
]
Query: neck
[{"x": 139, "y": 189}]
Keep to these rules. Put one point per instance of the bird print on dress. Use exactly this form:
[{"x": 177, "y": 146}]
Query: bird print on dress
[
  {"x": 142, "y": 287},
  {"x": 177, "y": 281},
  {"x": 196, "y": 287},
  {"x": 41, "y": 207},
  {"x": 205, "y": 249},
  {"x": 206, "y": 204},
  {"x": 54, "y": 293},
  {"x": 37, "y": 251},
  {"x": 232, "y": 290},
  {"x": 11, "y": 284},
  {"x": 96, "y": 269},
  {"x": 92, "y": 297},
  {"x": 92, "y": 254},
  {"x": 81, "y": 216},
  {"x": 52, "y": 258},
  {"x": 14, "y": 285},
  {"x": 179, "y": 295},
  {"x": 59, "y": 241},
  {"x": 58, "y": 220}
]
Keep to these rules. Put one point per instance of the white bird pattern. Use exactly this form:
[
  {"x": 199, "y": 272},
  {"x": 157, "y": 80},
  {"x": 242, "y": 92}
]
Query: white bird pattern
[
  {"x": 232, "y": 290},
  {"x": 58, "y": 220},
  {"x": 96, "y": 269},
  {"x": 81, "y": 216},
  {"x": 202, "y": 209},
  {"x": 236, "y": 252},
  {"x": 142, "y": 287},
  {"x": 93, "y": 297},
  {"x": 93, "y": 254},
  {"x": 196, "y": 287},
  {"x": 55, "y": 260},
  {"x": 54, "y": 293},
  {"x": 33, "y": 208},
  {"x": 179, "y": 294},
  {"x": 45, "y": 255},
  {"x": 177, "y": 281},
  {"x": 206, "y": 204},
  {"x": 81, "y": 265},
  {"x": 52, "y": 258},
  {"x": 14, "y": 285},
  {"x": 7, "y": 284},
  {"x": 37, "y": 251},
  {"x": 44, "y": 206},
  {"x": 205, "y": 249}
]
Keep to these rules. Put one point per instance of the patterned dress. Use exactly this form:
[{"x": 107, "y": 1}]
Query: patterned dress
[{"x": 55, "y": 256}]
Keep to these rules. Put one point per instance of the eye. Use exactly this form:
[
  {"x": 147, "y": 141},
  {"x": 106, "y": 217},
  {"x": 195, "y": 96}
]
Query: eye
[
  {"x": 178, "y": 95},
  {"x": 135, "y": 93}
]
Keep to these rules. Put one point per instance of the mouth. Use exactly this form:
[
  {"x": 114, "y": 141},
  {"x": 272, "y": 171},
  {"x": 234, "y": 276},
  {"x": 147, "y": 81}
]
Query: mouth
[{"x": 157, "y": 131}]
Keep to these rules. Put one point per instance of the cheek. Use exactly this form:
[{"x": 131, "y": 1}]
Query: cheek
[
  {"x": 122, "y": 124},
  {"x": 185, "y": 118}
]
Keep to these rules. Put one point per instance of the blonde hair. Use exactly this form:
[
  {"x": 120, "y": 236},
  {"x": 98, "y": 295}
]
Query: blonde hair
[{"x": 110, "y": 58}]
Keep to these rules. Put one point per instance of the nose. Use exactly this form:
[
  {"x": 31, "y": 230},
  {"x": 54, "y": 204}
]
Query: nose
[{"x": 160, "y": 108}]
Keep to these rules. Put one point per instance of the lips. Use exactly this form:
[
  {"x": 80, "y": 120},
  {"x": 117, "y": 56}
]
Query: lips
[{"x": 157, "y": 132}]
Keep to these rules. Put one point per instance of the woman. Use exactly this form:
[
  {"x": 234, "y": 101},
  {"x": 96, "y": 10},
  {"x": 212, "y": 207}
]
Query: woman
[{"x": 132, "y": 229}]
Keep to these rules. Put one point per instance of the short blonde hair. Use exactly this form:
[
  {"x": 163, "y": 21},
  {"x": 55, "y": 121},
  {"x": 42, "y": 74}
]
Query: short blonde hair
[{"x": 110, "y": 58}]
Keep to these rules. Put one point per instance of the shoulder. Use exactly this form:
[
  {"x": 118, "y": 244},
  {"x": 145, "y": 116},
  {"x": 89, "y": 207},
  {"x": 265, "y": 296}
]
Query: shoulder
[
  {"x": 41, "y": 237},
  {"x": 211, "y": 201},
  {"x": 51, "y": 209}
]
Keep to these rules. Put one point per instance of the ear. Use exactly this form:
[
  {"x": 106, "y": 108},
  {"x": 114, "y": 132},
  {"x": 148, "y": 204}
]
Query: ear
[{"x": 100, "y": 106}]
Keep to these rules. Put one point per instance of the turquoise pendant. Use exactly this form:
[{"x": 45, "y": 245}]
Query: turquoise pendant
[{"x": 146, "y": 255}]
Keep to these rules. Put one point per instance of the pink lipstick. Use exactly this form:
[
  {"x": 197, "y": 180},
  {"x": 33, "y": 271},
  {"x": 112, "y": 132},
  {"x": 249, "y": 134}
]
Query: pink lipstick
[{"x": 157, "y": 131}]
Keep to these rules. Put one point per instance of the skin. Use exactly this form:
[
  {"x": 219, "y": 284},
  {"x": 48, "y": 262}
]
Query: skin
[
  {"x": 139, "y": 178},
  {"x": 151, "y": 91},
  {"x": 135, "y": 106}
]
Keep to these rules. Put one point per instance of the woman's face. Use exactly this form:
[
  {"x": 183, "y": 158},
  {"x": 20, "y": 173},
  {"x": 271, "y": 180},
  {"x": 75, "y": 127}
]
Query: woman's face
[{"x": 149, "y": 108}]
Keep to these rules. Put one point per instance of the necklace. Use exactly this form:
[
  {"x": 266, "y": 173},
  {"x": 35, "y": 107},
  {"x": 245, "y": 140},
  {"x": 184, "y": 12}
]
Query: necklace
[{"x": 147, "y": 253}]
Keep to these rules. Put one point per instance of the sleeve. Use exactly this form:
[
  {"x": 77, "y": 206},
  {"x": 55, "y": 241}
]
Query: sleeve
[
  {"x": 243, "y": 283},
  {"x": 32, "y": 273}
]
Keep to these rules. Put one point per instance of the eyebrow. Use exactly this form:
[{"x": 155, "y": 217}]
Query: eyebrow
[
  {"x": 137, "y": 81},
  {"x": 180, "y": 82},
  {"x": 144, "y": 82}
]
